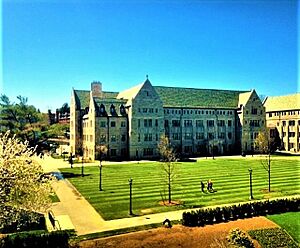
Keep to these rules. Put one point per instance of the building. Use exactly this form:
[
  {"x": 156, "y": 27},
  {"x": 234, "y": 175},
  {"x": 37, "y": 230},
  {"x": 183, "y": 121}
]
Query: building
[
  {"x": 130, "y": 123},
  {"x": 283, "y": 116}
]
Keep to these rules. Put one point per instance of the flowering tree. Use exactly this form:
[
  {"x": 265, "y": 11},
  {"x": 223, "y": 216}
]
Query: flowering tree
[{"x": 23, "y": 186}]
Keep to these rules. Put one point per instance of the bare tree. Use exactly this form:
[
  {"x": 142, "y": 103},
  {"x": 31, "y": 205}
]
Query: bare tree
[
  {"x": 102, "y": 151},
  {"x": 267, "y": 144},
  {"x": 167, "y": 158}
]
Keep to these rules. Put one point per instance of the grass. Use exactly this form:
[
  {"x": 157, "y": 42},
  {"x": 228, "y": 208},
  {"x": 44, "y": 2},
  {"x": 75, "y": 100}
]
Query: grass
[
  {"x": 230, "y": 178},
  {"x": 54, "y": 198},
  {"x": 290, "y": 222},
  {"x": 273, "y": 237}
]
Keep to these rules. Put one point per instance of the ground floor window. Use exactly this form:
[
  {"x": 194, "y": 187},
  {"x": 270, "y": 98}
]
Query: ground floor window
[
  {"x": 113, "y": 152},
  {"x": 188, "y": 149},
  {"x": 148, "y": 151}
]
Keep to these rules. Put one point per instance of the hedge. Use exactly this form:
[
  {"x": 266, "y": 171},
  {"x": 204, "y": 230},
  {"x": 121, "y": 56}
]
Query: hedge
[
  {"x": 206, "y": 216},
  {"x": 57, "y": 239}
]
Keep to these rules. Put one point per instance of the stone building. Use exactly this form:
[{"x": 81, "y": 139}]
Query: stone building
[
  {"x": 130, "y": 123},
  {"x": 283, "y": 116}
]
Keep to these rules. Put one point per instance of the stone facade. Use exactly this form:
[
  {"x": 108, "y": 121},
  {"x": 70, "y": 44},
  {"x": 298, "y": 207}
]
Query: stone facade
[
  {"x": 283, "y": 117},
  {"x": 130, "y": 123}
]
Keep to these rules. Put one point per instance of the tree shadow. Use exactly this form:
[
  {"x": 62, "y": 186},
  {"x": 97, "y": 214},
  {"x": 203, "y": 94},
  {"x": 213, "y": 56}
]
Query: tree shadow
[{"x": 73, "y": 175}]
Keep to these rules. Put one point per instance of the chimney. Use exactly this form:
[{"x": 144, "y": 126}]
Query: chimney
[{"x": 96, "y": 88}]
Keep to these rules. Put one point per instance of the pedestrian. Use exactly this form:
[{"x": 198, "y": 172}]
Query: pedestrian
[
  {"x": 211, "y": 186},
  {"x": 202, "y": 186},
  {"x": 208, "y": 185}
]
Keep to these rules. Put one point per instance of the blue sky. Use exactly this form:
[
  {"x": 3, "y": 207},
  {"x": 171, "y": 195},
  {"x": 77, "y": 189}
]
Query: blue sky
[{"x": 48, "y": 47}]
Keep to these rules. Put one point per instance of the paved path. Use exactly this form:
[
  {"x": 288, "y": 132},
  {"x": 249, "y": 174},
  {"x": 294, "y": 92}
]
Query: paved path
[{"x": 84, "y": 217}]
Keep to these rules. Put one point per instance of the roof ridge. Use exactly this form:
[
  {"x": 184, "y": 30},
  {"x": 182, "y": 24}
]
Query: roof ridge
[{"x": 188, "y": 88}]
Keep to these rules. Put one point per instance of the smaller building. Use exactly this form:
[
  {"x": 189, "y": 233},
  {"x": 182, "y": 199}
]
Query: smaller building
[{"x": 283, "y": 116}]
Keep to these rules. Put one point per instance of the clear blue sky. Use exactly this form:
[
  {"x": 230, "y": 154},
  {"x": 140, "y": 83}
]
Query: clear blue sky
[{"x": 48, "y": 47}]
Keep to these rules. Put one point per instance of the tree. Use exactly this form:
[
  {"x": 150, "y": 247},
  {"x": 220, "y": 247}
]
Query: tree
[
  {"x": 267, "y": 144},
  {"x": 167, "y": 158},
  {"x": 64, "y": 108},
  {"x": 102, "y": 151},
  {"x": 20, "y": 118},
  {"x": 23, "y": 186}
]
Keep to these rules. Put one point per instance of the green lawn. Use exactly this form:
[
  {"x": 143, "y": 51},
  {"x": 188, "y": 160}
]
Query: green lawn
[
  {"x": 290, "y": 222},
  {"x": 230, "y": 180}
]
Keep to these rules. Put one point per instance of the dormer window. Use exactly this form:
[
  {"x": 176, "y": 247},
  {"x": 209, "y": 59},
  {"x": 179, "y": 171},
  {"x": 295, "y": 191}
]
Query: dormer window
[
  {"x": 122, "y": 110},
  {"x": 102, "y": 109},
  {"x": 112, "y": 109}
]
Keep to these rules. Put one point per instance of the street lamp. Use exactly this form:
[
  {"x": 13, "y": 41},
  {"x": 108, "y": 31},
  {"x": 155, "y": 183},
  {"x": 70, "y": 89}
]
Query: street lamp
[
  {"x": 82, "y": 173},
  {"x": 100, "y": 175},
  {"x": 250, "y": 174},
  {"x": 130, "y": 196}
]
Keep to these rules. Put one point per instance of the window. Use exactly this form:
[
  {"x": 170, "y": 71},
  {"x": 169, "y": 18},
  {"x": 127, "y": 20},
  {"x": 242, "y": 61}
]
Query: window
[
  {"x": 211, "y": 135},
  {"x": 187, "y": 136},
  {"x": 166, "y": 123},
  {"x": 221, "y": 123},
  {"x": 145, "y": 123},
  {"x": 199, "y": 136},
  {"x": 91, "y": 138},
  {"x": 102, "y": 138},
  {"x": 123, "y": 124},
  {"x": 103, "y": 124},
  {"x": 176, "y": 136},
  {"x": 123, "y": 152},
  {"x": 291, "y": 134},
  {"x": 254, "y": 111},
  {"x": 139, "y": 109},
  {"x": 144, "y": 110},
  {"x": 210, "y": 123},
  {"x": 229, "y": 123},
  {"x": 156, "y": 137},
  {"x": 151, "y": 110},
  {"x": 139, "y": 122},
  {"x": 221, "y": 136},
  {"x": 283, "y": 123},
  {"x": 283, "y": 134},
  {"x": 139, "y": 137},
  {"x": 254, "y": 123},
  {"x": 175, "y": 123},
  {"x": 156, "y": 123},
  {"x": 229, "y": 135},
  {"x": 188, "y": 149},
  {"x": 113, "y": 124},
  {"x": 187, "y": 123},
  {"x": 148, "y": 137},
  {"x": 199, "y": 123},
  {"x": 148, "y": 151},
  {"x": 123, "y": 138},
  {"x": 113, "y": 152},
  {"x": 150, "y": 123},
  {"x": 291, "y": 123},
  {"x": 113, "y": 138}
]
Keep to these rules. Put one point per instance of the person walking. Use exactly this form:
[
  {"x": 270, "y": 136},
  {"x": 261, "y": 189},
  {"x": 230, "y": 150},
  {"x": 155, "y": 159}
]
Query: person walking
[{"x": 202, "y": 186}]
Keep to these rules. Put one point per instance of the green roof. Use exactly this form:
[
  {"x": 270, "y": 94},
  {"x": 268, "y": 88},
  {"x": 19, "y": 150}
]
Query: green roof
[
  {"x": 82, "y": 97},
  {"x": 197, "y": 98}
]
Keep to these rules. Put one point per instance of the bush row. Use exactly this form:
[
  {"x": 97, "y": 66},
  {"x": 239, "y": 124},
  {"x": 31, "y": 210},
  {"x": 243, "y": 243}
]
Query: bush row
[
  {"x": 57, "y": 239},
  {"x": 202, "y": 217}
]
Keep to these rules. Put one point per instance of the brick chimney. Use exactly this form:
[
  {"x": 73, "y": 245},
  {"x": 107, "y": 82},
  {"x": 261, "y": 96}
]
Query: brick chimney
[{"x": 96, "y": 88}]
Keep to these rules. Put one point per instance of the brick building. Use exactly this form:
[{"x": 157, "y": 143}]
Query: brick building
[{"x": 130, "y": 123}]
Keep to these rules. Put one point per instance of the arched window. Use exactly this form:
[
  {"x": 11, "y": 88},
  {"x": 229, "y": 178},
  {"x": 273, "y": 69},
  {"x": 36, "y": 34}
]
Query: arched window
[
  {"x": 112, "y": 109},
  {"x": 122, "y": 110},
  {"x": 102, "y": 109}
]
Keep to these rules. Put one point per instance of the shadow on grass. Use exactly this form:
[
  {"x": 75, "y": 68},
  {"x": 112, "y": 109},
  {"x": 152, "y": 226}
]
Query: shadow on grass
[{"x": 73, "y": 175}]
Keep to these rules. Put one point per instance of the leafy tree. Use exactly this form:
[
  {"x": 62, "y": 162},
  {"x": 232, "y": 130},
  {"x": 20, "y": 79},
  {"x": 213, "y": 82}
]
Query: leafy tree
[
  {"x": 20, "y": 118},
  {"x": 267, "y": 144},
  {"x": 65, "y": 108},
  {"x": 23, "y": 186},
  {"x": 167, "y": 158}
]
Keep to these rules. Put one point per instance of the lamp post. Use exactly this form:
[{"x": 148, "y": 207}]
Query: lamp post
[
  {"x": 130, "y": 196},
  {"x": 250, "y": 174},
  {"x": 100, "y": 175},
  {"x": 82, "y": 173}
]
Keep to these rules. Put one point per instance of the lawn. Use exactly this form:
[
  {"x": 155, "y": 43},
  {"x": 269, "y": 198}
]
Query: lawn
[
  {"x": 290, "y": 222},
  {"x": 230, "y": 180}
]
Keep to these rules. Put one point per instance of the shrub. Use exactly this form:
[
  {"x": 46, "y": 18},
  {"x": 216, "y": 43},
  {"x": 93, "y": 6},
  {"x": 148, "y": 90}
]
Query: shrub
[
  {"x": 37, "y": 239},
  {"x": 209, "y": 216},
  {"x": 273, "y": 237},
  {"x": 239, "y": 238}
]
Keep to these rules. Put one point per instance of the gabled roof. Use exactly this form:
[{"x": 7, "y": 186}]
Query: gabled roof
[
  {"x": 130, "y": 93},
  {"x": 198, "y": 98},
  {"x": 280, "y": 103},
  {"x": 244, "y": 98},
  {"x": 82, "y": 97}
]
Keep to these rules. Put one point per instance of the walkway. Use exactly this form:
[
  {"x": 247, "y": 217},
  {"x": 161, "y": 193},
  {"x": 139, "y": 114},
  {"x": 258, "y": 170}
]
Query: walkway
[{"x": 84, "y": 217}]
